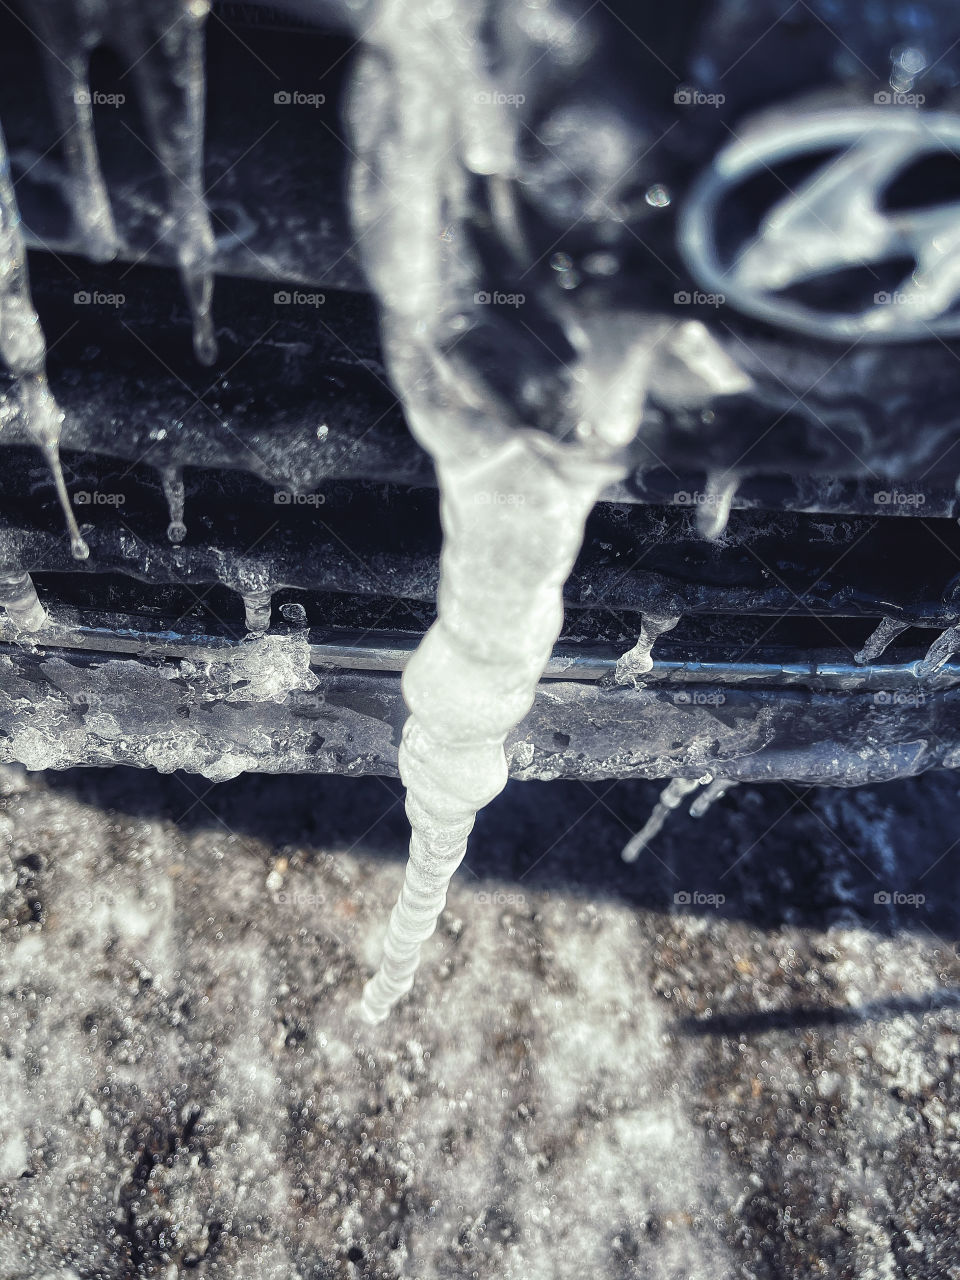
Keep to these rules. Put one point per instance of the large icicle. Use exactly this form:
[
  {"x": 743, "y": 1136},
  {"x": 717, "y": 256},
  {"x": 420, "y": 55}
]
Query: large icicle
[
  {"x": 473, "y": 678},
  {"x": 24, "y": 350},
  {"x": 887, "y": 630},
  {"x": 524, "y": 438},
  {"x": 639, "y": 660},
  {"x": 671, "y": 797}
]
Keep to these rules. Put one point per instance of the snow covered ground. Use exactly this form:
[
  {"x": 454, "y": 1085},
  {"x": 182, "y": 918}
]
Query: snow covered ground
[{"x": 603, "y": 1070}]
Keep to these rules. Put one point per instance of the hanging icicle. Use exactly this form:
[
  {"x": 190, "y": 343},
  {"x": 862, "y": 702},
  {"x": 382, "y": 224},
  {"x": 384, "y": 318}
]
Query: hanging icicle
[
  {"x": 18, "y": 597},
  {"x": 639, "y": 660},
  {"x": 939, "y": 653},
  {"x": 162, "y": 43},
  {"x": 715, "y": 791},
  {"x": 23, "y": 350},
  {"x": 887, "y": 630},
  {"x": 671, "y": 797},
  {"x": 714, "y": 511},
  {"x": 171, "y": 479}
]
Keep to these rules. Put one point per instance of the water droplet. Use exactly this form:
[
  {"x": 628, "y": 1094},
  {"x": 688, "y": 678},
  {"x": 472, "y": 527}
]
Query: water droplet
[{"x": 658, "y": 196}]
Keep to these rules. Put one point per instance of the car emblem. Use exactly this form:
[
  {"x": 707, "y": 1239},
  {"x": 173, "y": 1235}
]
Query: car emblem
[{"x": 832, "y": 221}]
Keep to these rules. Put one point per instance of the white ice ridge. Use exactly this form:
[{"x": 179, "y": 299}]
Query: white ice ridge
[
  {"x": 23, "y": 349},
  {"x": 162, "y": 45}
]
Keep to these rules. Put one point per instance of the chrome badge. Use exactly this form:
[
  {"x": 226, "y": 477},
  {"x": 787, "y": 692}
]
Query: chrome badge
[{"x": 833, "y": 220}]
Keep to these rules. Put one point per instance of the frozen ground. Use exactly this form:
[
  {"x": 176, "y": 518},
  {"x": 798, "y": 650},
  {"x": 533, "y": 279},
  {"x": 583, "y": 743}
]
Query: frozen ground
[{"x": 591, "y": 1078}]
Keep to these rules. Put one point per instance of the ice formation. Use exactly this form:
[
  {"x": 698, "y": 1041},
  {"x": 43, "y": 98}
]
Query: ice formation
[
  {"x": 887, "y": 630},
  {"x": 714, "y": 512},
  {"x": 162, "y": 44},
  {"x": 523, "y": 445},
  {"x": 18, "y": 596},
  {"x": 940, "y": 652},
  {"x": 671, "y": 797},
  {"x": 171, "y": 478},
  {"x": 23, "y": 349},
  {"x": 715, "y": 790},
  {"x": 639, "y": 660}
]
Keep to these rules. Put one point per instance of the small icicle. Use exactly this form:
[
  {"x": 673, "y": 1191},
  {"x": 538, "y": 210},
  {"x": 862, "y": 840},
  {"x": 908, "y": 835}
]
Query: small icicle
[
  {"x": 714, "y": 512},
  {"x": 671, "y": 797},
  {"x": 65, "y": 54},
  {"x": 715, "y": 791},
  {"x": 638, "y": 660},
  {"x": 942, "y": 649},
  {"x": 24, "y": 350},
  {"x": 18, "y": 596},
  {"x": 172, "y": 480},
  {"x": 879, "y": 639},
  {"x": 168, "y": 68},
  {"x": 256, "y": 605}
]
